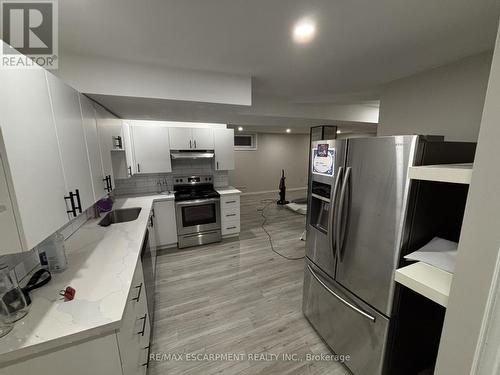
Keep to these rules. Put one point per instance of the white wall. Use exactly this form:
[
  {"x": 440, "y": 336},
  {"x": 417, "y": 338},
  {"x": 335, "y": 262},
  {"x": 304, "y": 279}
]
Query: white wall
[
  {"x": 92, "y": 75},
  {"x": 260, "y": 170},
  {"x": 477, "y": 254},
  {"x": 447, "y": 101}
]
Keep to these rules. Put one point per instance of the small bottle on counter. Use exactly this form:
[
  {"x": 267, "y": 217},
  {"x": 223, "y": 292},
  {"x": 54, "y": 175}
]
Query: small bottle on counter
[{"x": 54, "y": 252}]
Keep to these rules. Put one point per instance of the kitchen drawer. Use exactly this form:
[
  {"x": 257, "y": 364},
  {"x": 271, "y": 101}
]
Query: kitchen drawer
[
  {"x": 229, "y": 202},
  {"x": 230, "y": 227},
  {"x": 134, "y": 334},
  {"x": 230, "y": 215}
]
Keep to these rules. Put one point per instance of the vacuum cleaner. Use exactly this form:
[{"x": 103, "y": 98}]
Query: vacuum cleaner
[{"x": 282, "y": 187}]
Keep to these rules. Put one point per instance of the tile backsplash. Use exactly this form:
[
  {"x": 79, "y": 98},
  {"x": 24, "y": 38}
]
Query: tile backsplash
[{"x": 155, "y": 183}]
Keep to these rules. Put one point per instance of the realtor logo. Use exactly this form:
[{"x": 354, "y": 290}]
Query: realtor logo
[{"x": 29, "y": 32}]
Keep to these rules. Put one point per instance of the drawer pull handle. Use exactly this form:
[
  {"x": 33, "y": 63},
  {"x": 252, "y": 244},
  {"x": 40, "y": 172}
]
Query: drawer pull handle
[
  {"x": 230, "y": 202},
  {"x": 148, "y": 348},
  {"x": 136, "y": 299},
  {"x": 144, "y": 318},
  {"x": 230, "y": 215},
  {"x": 231, "y": 228}
]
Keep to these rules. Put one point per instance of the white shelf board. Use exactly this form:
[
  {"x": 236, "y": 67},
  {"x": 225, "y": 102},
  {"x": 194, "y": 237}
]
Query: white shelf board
[
  {"x": 429, "y": 281},
  {"x": 455, "y": 173}
]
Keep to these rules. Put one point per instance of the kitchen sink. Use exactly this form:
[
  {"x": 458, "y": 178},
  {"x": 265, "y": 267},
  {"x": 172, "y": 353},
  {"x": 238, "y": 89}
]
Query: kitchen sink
[{"x": 120, "y": 216}]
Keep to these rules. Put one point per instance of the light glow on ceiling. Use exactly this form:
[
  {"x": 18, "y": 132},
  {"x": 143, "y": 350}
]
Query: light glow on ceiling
[
  {"x": 240, "y": 128},
  {"x": 304, "y": 31},
  {"x": 288, "y": 130}
]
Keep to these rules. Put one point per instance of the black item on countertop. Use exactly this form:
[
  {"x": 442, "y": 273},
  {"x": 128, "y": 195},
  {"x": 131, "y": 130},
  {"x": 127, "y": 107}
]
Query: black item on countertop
[
  {"x": 282, "y": 187},
  {"x": 35, "y": 283}
]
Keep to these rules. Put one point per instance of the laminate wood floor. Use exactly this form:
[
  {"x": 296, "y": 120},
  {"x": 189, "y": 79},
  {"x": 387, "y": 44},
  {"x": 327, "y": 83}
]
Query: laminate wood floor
[{"x": 237, "y": 297}]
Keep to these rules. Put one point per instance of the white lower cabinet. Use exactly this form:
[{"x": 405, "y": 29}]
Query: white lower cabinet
[
  {"x": 134, "y": 334},
  {"x": 230, "y": 214},
  {"x": 165, "y": 224},
  {"x": 97, "y": 356}
]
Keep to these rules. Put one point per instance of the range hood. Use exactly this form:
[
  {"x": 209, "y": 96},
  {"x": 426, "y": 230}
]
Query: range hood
[{"x": 195, "y": 154}]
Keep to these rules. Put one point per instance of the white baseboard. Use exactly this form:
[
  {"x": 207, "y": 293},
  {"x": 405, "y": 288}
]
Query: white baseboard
[{"x": 272, "y": 191}]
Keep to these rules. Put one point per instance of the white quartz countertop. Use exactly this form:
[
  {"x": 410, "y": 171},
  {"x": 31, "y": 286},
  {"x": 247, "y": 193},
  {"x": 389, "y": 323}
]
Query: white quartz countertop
[
  {"x": 102, "y": 261},
  {"x": 227, "y": 190}
]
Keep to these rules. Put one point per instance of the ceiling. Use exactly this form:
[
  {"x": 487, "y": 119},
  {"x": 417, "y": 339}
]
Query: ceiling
[
  {"x": 234, "y": 115},
  {"x": 360, "y": 44}
]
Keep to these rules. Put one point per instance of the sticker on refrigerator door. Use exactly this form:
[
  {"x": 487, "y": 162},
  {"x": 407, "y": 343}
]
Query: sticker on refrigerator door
[{"x": 323, "y": 160}]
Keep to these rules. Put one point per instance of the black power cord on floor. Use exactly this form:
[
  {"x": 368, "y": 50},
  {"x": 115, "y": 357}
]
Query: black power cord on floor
[{"x": 267, "y": 202}]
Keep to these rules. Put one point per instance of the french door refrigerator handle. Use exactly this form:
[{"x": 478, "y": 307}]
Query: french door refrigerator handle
[
  {"x": 347, "y": 303},
  {"x": 338, "y": 216},
  {"x": 332, "y": 213}
]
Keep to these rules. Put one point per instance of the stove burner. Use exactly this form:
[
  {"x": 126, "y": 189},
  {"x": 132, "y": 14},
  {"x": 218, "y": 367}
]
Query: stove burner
[{"x": 194, "y": 189}]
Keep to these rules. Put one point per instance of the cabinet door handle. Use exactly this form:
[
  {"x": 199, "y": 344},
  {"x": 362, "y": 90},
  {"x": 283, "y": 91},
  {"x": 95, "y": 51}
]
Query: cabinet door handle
[
  {"x": 106, "y": 188},
  {"x": 141, "y": 332},
  {"x": 110, "y": 183},
  {"x": 190, "y": 144},
  {"x": 130, "y": 171},
  {"x": 78, "y": 200},
  {"x": 230, "y": 202},
  {"x": 138, "y": 168},
  {"x": 217, "y": 165},
  {"x": 195, "y": 143},
  {"x": 148, "y": 348},
  {"x": 138, "y": 293},
  {"x": 230, "y": 215},
  {"x": 71, "y": 198},
  {"x": 231, "y": 227}
]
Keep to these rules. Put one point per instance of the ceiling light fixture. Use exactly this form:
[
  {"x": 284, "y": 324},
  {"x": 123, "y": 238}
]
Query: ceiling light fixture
[
  {"x": 288, "y": 130},
  {"x": 304, "y": 31},
  {"x": 338, "y": 132},
  {"x": 240, "y": 129}
]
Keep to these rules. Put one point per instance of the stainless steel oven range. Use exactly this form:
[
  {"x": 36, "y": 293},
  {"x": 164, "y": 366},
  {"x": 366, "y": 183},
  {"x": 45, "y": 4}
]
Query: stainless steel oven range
[{"x": 197, "y": 211}]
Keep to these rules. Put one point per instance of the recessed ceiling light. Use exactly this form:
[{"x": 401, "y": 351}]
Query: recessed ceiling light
[
  {"x": 304, "y": 31},
  {"x": 240, "y": 129},
  {"x": 288, "y": 130},
  {"x": 338, "y": 132}
]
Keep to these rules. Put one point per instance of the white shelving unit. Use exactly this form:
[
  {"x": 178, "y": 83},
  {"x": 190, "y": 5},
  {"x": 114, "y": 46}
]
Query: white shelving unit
[
  {"x": 453, "y": 173},
  {"x": 429, "y": 281}
]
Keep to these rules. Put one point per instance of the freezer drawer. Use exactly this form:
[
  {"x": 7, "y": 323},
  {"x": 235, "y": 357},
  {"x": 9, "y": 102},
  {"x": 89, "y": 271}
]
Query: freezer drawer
[{"x": 347, "y": 325}]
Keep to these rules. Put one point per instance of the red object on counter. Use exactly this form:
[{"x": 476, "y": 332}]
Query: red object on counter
[{"x": 68, "y": 293}]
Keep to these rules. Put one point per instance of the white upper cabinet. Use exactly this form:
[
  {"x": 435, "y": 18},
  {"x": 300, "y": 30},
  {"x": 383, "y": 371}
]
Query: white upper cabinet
[
  {"x": 191, "y": 138},
  {"x": 30, "y": 155},
  {"x": 70, "y": 134},
  {"x": 180, "y": 138},
  {"x": 129, "y": 154},
  {"x": 151, "y": 149},
  {"x": 93, "y": 149},
  {"x": 203, "y": 138},
  {"x": 108, "y": 129},
  {"x": 10, "y": 241},
  {"x": 224, "y": 149}
]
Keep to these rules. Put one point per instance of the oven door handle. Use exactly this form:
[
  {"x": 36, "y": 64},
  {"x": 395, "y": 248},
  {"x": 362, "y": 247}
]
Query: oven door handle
[{"x": 197, "y": 202}]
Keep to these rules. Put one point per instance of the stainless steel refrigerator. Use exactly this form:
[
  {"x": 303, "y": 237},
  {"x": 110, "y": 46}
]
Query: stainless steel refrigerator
[{"x": 361, "y": 219}]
